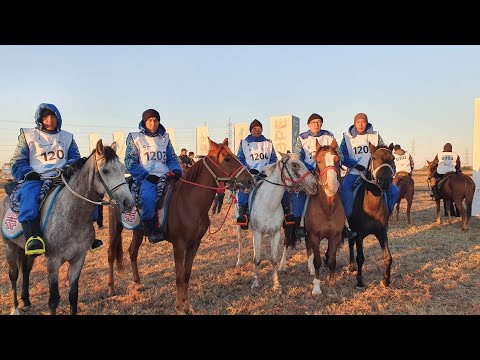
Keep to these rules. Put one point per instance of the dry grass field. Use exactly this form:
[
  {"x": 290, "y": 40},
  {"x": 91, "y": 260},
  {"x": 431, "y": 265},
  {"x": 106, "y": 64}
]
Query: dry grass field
[{"x": 435, "y": 270}]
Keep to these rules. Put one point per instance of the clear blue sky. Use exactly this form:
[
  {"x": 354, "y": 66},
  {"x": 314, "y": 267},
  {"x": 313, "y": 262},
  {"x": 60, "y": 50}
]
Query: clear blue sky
[{"x": 416, "y": 92}]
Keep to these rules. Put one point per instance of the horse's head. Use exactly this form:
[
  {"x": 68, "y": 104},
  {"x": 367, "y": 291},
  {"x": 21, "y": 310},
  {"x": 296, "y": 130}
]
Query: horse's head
[
  {"x": 328, "y": 167},
  {"x": 227, "y": 167},
  {"x": 295, "y": 174},
  {"x": 110, "y": 177},
  {"x": 382, "y": 165}
]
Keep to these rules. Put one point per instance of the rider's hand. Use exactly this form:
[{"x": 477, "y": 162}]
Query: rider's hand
[
  {"x": 359, "y": 167},
  {"x": 152, "y": 178},
  {"x": 67, "y": 172},
  {"x": 177, "y": 174},
  {"x": 32, "y": 176},
  {"x": 253, "y": 171}
]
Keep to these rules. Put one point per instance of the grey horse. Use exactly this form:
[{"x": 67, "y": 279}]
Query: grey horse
[{"x": 69, "y": 232}]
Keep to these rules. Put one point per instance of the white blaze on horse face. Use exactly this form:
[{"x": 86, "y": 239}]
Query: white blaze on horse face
[{"x": 332, "y": 179}]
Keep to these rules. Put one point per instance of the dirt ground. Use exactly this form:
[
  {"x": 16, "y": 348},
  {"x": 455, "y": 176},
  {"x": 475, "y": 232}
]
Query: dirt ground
[{"x": 435, "y": 270}]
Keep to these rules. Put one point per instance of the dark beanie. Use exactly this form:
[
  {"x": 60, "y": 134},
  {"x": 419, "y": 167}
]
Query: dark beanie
[
  {"x": 447, "y": 147},
  {"x": 360, "y": 116},
  {"x": 255, "y": 123},
  {"x": 48, "y": 112},
  {"x": 147, "y": 114},
  {"x": 314, "y": 116}
]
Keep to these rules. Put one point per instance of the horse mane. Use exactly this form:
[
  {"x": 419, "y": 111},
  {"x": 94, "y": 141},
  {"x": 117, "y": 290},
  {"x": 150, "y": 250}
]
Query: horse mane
[{"x": 109, "y": 153}]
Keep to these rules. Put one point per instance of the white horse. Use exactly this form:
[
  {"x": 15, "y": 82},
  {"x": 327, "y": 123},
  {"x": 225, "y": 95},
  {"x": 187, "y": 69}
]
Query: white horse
[{"x": 266, "y": 212}]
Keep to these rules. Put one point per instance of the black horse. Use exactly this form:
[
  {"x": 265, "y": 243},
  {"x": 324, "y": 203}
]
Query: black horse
[{"x": 370, "y": 211}]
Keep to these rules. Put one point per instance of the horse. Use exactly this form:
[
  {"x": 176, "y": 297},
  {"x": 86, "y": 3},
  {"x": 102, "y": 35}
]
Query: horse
[
  {"x": 69, "y": 231},
  {"x": 454, "y": 188},
  {"x": 188, "y": 208},
  {"x": 325, "y": 215},
  {"x": 370, "y": 210},
  {"x": 406, "y": 187},
  {"x": 266, "y": 212}
]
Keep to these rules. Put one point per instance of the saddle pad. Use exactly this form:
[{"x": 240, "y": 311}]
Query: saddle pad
[{"x": 131, "y": 220}]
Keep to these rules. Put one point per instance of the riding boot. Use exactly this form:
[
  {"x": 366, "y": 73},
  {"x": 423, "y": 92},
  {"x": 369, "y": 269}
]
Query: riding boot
[
  {"x": 289, "y": 219},
  {"x": 97, "y": 243},
  {"x": 347, "y": 232},
  {"x": 300, "y": 230},
  {"x": 242, "y": 219},
  {"x": 154, "y": 235},
  {"x": 34, "y": 243}
]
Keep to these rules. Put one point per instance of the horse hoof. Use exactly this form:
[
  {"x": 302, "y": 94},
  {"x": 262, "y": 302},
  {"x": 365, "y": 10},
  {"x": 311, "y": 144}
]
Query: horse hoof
[
  {"x": 277, "y": 288},
  {"x": 111, "y": 292},
  {"x": 239, "y": 264},
  {"x": 316, "y": 292},
  {"x": 361, "y": 287},
  {"x": 385, "y": 282},
  {"x": 255, "y": 285},
  {"x": 15, "y": 312},
  {"x": 352, "y": 267}
]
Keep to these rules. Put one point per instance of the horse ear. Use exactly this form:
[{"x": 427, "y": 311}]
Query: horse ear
[
  {"x": 317, "y": 145},
  {"x": 282, "y": 154},
  {"x": 213, "y": 144},
  {"x": 390, "y": 147},
  {"x": 114, "y": 146},
  {"x": 334, "y": 143},
  {"x": 225, "y": 142},
  {"x": 99, "y": 147},
  {"x": 372, "y": 147},
  {"x": 429, "y": 162}
]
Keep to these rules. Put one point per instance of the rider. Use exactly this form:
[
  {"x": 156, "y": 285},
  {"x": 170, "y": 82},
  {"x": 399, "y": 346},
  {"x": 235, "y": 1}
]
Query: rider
[
  {"x": 306, "y": 146},
  {"x": 447, "y": 161},
  {"x": 254, "y": 152},
  {"x": 403, "y": 160},
  {"x": 355, "y": 153},
  {"x": 38, "y": 150},
  {"x": 151, "y": 169}
]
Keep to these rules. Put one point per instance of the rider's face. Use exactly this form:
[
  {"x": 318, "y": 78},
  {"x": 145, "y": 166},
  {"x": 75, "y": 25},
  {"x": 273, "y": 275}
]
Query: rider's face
[
  {"x": 49, "y": 122},
  {"x": 152, "y": 125}
]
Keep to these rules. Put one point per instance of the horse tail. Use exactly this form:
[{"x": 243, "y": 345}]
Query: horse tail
[
  {"x": 469, "y": 193},
  {"x": 115, "y": 232}
]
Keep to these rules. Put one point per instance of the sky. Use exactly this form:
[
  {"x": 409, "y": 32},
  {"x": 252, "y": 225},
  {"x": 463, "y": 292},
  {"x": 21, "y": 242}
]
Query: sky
[{"x": 419, "y": 96}]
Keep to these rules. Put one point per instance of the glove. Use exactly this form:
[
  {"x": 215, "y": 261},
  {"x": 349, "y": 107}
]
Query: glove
[
  {"x": 177, "y": 174},
  {"x": 32, "y": 176},
  {"x": 67, "y": 172},
  {"x": 253, "y": 171},
  {"x": 77, "y": 164},
  {"x": 360, "y": 167},
  {"x": 152, "y": 178},
  {"x": 262, "y": 176}
]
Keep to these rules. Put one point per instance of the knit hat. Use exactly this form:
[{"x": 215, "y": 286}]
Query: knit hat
[
  {"x": 48, "y": 112},
  {"x": 313, "y": 117},
  {"x": 360, "y": 116},
  {"x": 147, "y": 114},
  {"x": 447, "y": 147},
  {"x": 255, "y": 123}
]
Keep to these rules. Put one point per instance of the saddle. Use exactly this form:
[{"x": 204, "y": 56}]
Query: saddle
[{"x": 445, "y": 177}]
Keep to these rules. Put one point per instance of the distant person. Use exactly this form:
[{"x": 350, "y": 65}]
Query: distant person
[
  {"x": 39, "y": 149},
  {"x": 191, "y": 155},
  {"x": 185, "y": 161},
  {"x": 306, "y": 147},
  {"x": 355, "y": 152},
  {"x": 151, "y": 169},
  {"x": 403, "y": 160},
  {"x": 255, "y": 152},
  {"x": 218, "y": 200},
  {"x": 447, "y": 161}
]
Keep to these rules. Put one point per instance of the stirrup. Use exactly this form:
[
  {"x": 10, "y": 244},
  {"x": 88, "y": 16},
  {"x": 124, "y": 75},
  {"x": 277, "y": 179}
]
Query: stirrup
[
  {"x": 289, "y": 219},
  {"x": 300, "y": 232},
  {"x": 242, "y": 221},
  {"x": 38, "y": 251}
]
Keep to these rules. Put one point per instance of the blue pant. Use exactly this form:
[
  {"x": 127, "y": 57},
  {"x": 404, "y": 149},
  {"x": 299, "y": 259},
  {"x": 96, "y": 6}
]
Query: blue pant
[
  {"x": 298, "y": 203},
  {"x": 148, "y": 196},
  {"x": 243, "y": 199},
  {"x": 346, "y": 193},
  {"x": 28, "y": 196}
]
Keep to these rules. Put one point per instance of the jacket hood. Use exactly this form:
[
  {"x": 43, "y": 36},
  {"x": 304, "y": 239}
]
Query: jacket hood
[
  {"x": 160, "y": 131},
  {"x": 353, "y": 131},
  {"x": 38, "y": 115}
]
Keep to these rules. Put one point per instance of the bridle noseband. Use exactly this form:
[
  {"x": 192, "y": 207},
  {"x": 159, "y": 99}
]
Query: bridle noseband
[{"x": 233, "y": 177}]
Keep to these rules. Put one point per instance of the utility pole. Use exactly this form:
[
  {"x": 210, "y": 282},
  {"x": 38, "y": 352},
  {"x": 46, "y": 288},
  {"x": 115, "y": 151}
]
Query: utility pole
[
  {"x": 230, "y": 133},
  {"x": 466, "y": 156},
  {"x": 413, "y": 151}
]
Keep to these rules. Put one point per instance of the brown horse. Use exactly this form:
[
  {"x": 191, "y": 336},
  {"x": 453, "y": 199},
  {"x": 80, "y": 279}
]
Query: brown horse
[
  {"x": 325, "y": 215},
  {"x": 187, "y": 220},
  {"x": 454, "y": 187},
  {"x": 370, "y": 211},
  {"x": 406, "y": 187}
]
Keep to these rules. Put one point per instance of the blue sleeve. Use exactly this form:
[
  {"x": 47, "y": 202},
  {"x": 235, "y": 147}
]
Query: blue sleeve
[
  {"x": 21, "y": 159},
  {"x": 73, "y": 152},
  {"x": 132, "y": 162},
  {"x": 273, "y": 157},
  {"x": 172, "y": 159},
  {"x": 241, "y": 156},
  {"x": 301, "y": 152},
  {"x": 346, "y": 159}
]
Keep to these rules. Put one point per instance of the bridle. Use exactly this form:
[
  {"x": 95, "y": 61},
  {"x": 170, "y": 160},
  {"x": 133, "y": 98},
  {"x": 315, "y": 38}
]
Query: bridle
[
  {"x": 374, "y": 171},
  {"x": 323, "y": 172},
  {"x": 295, "y": 183},
  {"x": 233, "y": 177}
]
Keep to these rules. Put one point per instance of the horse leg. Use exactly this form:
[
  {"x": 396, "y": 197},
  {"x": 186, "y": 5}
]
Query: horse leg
[
  {"x": 398, "y": 208},
  {"x": 189, "y": 256},
  {"x": 360, "y": 260},
  {"x": 310, "y": 255},
  {"x": 317, "y": 263},
  {"x": 387, "y": 257},
  {"x": 54, "y": 296},
  {"x": 179, "y": 255},
  {"x": 115, "y": 251},
  {"x": 275, "y": 240},
  {"x": 332, "y": 258},
  {"x": 137, "y": 239},
  {"x": 409, "y": 207},
  {"x": 463, "y": 213},
  {"x": 257, "y": 257},
  {"x": 13, "y": 254},
  {"x": 75, "y": 268},
  {"x": 448, "y": 204},
  {"x": 438, "y": 211},
  {"x": 283, "y": 261},
  {"x": 353, "y": 265},
  {"x": 27, "y": 264},
  {"x": 240, "y": 247}
]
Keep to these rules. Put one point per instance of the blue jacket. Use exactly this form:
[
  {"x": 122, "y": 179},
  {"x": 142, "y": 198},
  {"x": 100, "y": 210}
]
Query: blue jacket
[
  {"x": 132, "y": 157},
  {"x": 299, "y": 148},
  {"x": 251, "y": 138},
  {"x": 345, "y": 158},
  {"x": 21, "y": 158}
]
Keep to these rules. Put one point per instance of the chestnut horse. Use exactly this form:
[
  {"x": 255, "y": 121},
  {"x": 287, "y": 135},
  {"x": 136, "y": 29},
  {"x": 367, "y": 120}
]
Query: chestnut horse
[
  {"x": 454, "y": 188},
  {"x": 406, "y": 187},
  {"x": 370, "y": 210},
  {"x": 325, "y": 215},
  {"x": 187, "y": 220}
]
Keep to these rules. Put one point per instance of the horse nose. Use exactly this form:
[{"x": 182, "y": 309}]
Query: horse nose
[{"x": 127, "y": 204}]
